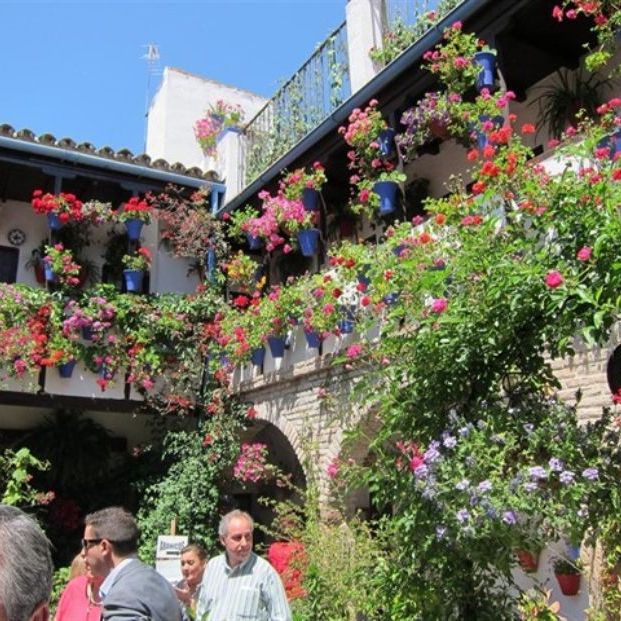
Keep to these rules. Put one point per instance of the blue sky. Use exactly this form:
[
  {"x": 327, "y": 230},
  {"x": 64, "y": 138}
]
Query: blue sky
[{"x": 74, "y": 69}]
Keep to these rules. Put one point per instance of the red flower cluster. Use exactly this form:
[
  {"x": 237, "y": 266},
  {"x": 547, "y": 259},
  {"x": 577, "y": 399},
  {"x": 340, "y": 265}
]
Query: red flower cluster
[{"x": 66, "y": 206}]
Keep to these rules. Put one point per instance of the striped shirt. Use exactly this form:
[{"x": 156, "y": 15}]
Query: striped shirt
[{"x": 251, "y": 591}]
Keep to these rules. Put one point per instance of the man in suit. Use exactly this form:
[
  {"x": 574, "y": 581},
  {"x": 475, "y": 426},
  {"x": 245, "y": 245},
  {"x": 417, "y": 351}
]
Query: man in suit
[
  {"x": 131, "y": 590},
  {"x": 25, "y": 568}
]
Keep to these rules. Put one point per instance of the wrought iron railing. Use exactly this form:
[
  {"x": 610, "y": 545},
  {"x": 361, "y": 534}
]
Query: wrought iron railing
[
  {"x": 407, "y": 21},
  {"x": 301, "y": 104}
]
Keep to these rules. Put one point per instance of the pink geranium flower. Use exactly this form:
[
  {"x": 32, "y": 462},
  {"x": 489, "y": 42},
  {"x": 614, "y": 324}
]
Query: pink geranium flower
[
  {"x": 554, "y": 279},
  {"x": 439, "y": 305},
  {"x": 584, "y": 254}
]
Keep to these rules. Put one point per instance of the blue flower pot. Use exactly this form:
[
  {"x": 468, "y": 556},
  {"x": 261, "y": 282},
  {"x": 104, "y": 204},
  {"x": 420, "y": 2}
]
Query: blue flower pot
[
  {"x": 133, "y": 280},
  {"x": 310, "y": 199},
  {"x": 87, "y": 333},
  {"x": 254, "y": 242},
  {"x": 312, "y": 338},
  {"x": 224, "y": 360},
  {"x": 482, "y": 136},
  {"x": 387, "y": 192},
  {"x": 386, "y": 141},
  {"x": 487, "y": 76},
  {"x": 347, "y": 322},
  {"x": 133, "y": 226},
  {"x": 65, "y": 370},
  {"x": 309, "y": 241},
  {"x": 53, "y": 221},
  {"x": 277, "y": 346},
  {"x": 50, "y": 274},
  {"x": 258, "y": 356},
  {"x": 612, "y": 143},
  {"x": 391, "y": 298}
]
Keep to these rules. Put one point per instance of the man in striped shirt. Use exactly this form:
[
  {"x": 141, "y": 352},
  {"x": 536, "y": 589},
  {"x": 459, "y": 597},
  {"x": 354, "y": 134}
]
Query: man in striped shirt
[{"x": 239, "y": 585}]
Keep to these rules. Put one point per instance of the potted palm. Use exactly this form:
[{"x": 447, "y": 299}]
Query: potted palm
[{"x": 567, "y": 575}]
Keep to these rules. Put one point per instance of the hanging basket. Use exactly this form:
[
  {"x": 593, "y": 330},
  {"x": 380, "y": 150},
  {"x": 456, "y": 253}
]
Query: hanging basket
[
  {"x": 277, "y": 346},
  {"x": 487, "y": 76},
  {"x": 65, "y": 370},
  {"x": 310, "y": 199},
  {"x": 309, "y": 242},
  {"x": 569, "y": 583},
  {"x": 50, "y": 274},
  {"x": 386, "y": 142},
  {"x": 133, "y": 226},
  {"x": 254, "y": 242},
  {"x": 54, "y": 222},
  {"x": 387, "y": 192},
  {"x": 133, "y": 280}
]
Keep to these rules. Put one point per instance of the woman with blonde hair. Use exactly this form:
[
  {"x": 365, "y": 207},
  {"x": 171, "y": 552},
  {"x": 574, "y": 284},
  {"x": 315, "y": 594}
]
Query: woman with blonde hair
[{"x": 80, "y": 599}]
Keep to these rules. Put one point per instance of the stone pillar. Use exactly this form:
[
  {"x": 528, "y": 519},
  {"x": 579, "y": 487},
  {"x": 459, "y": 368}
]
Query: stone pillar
[
  {"x": 229, "y": 158},
  {"x": 365, "y": 20}
]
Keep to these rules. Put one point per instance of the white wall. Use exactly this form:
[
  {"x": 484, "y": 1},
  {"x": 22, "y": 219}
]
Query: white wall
[{"x": 181, "y": 99}]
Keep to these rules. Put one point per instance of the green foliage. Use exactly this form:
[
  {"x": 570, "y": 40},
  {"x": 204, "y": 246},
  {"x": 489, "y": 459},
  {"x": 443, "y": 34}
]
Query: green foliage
[
  {"x": 59, "y": 582},
  {"x": 190, "y": 490},
  {"x": 16, "y": 475}
]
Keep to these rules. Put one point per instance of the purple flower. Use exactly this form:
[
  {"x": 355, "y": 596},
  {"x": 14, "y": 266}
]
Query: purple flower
[
  {"x": 462, "y": 515},
  {"x": 484, "y": 486},
  {"x": 590, "y": 474},
  {"x": 537, "y": 472},
  {"x": 508, "y": 517},
  {"x": 432, "y": 455},
  {"x": 462, "y": 485},
  {"x": 421, "y": 472},
  {"x": 465, "y": 431},
  {"x": 566, "y": 477},
  {"x": 440, "y": 531},
  {"x": 449, "y": 441},
  {"x": 555, "y": 464},
  {"x": 530, "y": 486}
]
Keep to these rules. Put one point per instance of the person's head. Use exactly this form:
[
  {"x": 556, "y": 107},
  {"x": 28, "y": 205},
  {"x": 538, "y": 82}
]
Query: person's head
[
  {"x": 110, "y": 535},
  {"x": 235, "y": 532},
  {"x": 25, "y": 568},
  {"x": 193, "y": 559},
  {"x": 78, "y": 567}
]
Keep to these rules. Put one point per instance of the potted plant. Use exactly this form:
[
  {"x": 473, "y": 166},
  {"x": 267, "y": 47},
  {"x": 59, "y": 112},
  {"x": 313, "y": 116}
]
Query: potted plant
[
  {"x": 135, "y": 267},
  {"x": 242, "y": 224},
  {"x": 135, "y": 213},
  {"x": 386, "y": 187},
  {"x": 568, "y": 575},
  {"x": 305, "y": 185},
  {"x": 59, "y": 208},
  {"x": 244, "y": 273},
  {"x": 218, "y": 118},
  {"x": 528, "y": 560},
  {"x": 60, "y": 267},
  {"x": 561, "y": 101},
  {"x": 36, "y": 262}
]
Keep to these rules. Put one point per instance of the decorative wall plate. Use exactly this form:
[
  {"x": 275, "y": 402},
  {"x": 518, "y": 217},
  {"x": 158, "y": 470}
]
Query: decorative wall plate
[{"x": 16, "y": 237}]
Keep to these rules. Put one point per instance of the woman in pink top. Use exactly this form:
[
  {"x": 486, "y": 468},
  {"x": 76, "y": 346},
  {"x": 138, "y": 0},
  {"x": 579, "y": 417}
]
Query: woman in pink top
[{"x": 80, "y": 600}]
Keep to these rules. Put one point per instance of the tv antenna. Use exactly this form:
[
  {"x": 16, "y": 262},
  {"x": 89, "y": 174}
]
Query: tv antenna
[{"x": 152, "y": 56}]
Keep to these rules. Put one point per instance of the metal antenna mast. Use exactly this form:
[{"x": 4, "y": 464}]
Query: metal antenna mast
[{"x": 152, "y": 56}]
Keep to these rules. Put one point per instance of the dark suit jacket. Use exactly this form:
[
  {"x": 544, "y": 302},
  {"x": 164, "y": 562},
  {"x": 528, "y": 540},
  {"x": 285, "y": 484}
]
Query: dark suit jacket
[{"x": 139, "y": 593}]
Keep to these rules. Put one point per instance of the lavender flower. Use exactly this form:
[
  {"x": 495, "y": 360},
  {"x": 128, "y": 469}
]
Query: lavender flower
[
  {"x": 537, "y": 472},
  {"x": 555, "y": 464},
  {"x": 421, "y": 472},
  {"x": 566, "y": 477},
  {"x": 432, "y": 455},
  {"x": 590, "y": 474},
  {"x": 462, "y": 485},
  {"x": 508, "y": 517},
  {"x": 440, "y": 531},
  {"x": 484, "y": 486},
  {"x": 530, "y": 486},
  {"x": 462, "y": 515},
  {"x": 449, "y": 441}
]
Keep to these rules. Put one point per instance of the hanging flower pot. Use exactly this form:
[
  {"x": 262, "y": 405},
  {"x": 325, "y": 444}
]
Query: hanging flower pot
[
  {"x": 346, "y": 323},
  {"x": 133, "y": 226},
  {"x": 481, "y": 135},
  {"x": 312, "y": 339},
  {"x": 528, "y": 561},
  {"x": 387, "y": 192},
  {"x": 258, "y": 356},
  {"x": 50, "y": 274},
  {"x": 133, "y": 280},
  {"x": 439, "y": 129},
  {"x": 309, "y": 241},
  {"x": 391, "y": 298},
  {"x": 487, "y": 76},
  {"x": 65, "y": 370},
  {"x": 39, "y": 272},
  {"x": 386, "y": 142},
  {"x": 54, "y": 222},
  {"x": 310, "y": 199},
  {"x": 277, "y": 346},
  {"x": 254, "y": 242},
  {"x": 87, "y": 333},
  {"x": 569, "y": 583},
  {"x": 612, "y": 143}
]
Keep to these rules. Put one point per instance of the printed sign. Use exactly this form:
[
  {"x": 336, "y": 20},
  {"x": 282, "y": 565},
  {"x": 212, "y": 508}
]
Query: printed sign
[{"x": 168, "y": 556}]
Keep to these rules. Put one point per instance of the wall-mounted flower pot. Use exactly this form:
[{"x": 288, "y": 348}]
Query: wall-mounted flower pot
[
  {"x": 258, "y": 356},
  {"x": 133, "y": 280},
  {"x": 391, "y": 298},
  {"x": 65, "y": 370},
  {"x": 346, "y": 323},
  {"x": 277, "y": 346},
  {"x": 50, "y": 274},
  {"x": 387, "y": 192},
  {"x": 133, "y": 226},
  {"x": 487, "y": 76},
  {"x": 312, "y": 338},
  {"x": 482, "y": 136},
  {"x": 54, "y": 222},
  {"x": 386, "y": 142},
  {"x": 612, "y": 143},
  {"x": 87, "y": 333},
  {"x": 569, "y": 583},
  {"x": 528, "y": 561},
  {"x": 309, "y": 241},
  {"x": 254, "y": 242},
  {"x": 310, "y": 199}
]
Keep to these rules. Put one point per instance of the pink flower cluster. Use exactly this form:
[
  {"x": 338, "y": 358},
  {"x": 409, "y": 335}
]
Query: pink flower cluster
[{"x": 251, "y": 465}]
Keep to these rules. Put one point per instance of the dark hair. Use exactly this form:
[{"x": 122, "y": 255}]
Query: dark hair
[
  {"x": 116, "y": 525},
  {"x": 198, "y": 549},
  {"x": 25, "y": 564}
]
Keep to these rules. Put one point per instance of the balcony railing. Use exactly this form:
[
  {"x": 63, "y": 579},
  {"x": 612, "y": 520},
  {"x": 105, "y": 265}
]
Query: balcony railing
[{"x": 301, "y": 104}]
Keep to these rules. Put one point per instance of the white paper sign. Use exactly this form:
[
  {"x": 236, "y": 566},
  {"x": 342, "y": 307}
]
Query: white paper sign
[{"x": 168, "y": 556}]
